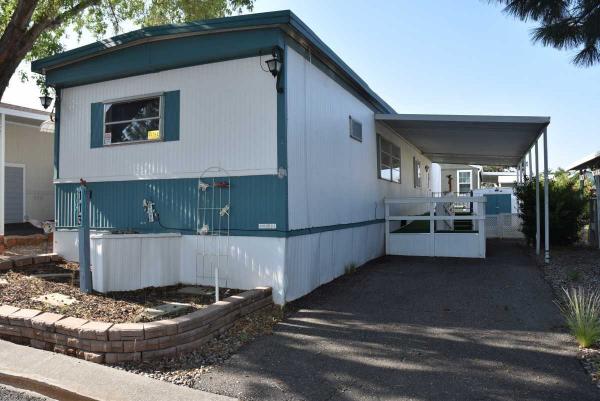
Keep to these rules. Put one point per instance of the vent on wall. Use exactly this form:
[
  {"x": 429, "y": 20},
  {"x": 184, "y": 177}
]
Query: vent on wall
[{"x": 355, "y": 129}]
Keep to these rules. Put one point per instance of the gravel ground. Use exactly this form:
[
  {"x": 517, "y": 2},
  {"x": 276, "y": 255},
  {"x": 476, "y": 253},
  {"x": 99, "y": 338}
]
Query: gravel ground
[
  {"x": 574, "y": 267},
  {"x": 187, "y": 368},
  {"x": 8, "y": 393},
  {"x": 117, "y": 307}
]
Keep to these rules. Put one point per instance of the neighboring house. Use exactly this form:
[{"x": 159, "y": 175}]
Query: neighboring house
[
  {"x": 243, "y": 151},
  {"x": 27, "y": 152},
  {"x": 501, "y": 179},
  {"x": 460, "y": 178}
]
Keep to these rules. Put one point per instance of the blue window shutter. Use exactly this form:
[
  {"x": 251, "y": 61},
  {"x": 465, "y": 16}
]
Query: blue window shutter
[
  {"x": 97, "y": 127},
  {"x": 171, "y": 116}
]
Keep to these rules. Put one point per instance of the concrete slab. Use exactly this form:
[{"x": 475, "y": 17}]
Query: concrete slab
[
  {"x": 197, "y": 291},
  {"x": 63, "y": 377},
  {"x": 56, "y": 299},
  {"x": 164, "y": 309}
]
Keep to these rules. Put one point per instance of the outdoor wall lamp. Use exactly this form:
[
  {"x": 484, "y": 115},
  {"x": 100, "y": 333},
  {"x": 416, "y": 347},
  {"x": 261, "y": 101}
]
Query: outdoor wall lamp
[
  {"x": 274, "y": 66},
  {"x": 46, "y": 100}
]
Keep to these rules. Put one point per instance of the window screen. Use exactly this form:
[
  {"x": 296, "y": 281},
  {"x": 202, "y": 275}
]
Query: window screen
[
  {"x": 356, "y": 129},
  {"x": 389, "y": 160},
  {"x": 132, "y": 120}
]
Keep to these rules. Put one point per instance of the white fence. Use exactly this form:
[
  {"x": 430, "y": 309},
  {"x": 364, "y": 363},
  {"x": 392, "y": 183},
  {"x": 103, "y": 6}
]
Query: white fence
[
  {"x": 440, "y": 236},
  {"x": 503, "y": 225}
]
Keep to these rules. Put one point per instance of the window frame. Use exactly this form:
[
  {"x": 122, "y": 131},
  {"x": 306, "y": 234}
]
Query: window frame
[
  {"x": 128, "y": 99},
  {"x": 458, "y": 183},
  {"x": 392, "y": 158},
  {"x": 351, "y": 123},
  {"x": 417, "y": 176}
]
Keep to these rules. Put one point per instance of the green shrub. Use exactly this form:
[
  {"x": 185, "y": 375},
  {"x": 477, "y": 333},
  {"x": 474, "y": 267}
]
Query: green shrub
[
  {"x": 568, "y": 208},
  {"x": 581, "y": 310}
]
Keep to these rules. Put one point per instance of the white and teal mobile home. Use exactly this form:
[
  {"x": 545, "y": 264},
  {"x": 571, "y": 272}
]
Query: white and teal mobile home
[{"x": 154, "y": 114}]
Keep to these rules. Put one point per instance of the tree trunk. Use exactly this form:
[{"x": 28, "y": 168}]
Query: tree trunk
[{"x": 16, "y": 41}]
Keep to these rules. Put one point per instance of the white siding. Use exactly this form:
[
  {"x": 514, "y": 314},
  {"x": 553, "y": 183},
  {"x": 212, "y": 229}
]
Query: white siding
[
  {"x": 27, "y": 145},
  {"x": 315, "y": 259},
  {"x": 332, "y": 177},
  {"x": 228, "y": 119}
]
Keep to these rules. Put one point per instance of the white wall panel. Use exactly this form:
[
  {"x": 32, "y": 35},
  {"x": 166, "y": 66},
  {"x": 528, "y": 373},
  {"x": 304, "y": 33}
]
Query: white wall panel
[
  {"x": 316, "y": 259},
  {"x": 228, "y": 119},
  {"x": 332, "y": 177}
]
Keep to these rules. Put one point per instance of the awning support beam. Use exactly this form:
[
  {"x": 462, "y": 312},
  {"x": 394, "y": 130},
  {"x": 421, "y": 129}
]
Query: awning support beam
[
  {"x": 537, "y": 200},
  {"x": 546, "y": 201}
]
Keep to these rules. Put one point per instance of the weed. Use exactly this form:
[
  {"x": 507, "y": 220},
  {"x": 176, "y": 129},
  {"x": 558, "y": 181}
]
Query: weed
[{"x": 581, "y": 310}]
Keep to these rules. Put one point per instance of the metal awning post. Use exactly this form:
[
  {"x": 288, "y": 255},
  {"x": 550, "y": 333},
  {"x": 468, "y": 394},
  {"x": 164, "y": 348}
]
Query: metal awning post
[
  {"x": 530, "y": 166},
  {"x": 537, "y": 199},
  {"x": 546, "y": 201}
]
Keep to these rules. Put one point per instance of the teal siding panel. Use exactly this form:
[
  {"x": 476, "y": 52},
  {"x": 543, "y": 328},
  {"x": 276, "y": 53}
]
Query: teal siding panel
[
  {"x": 171, "y": 116},
  {"x": 497, "y": 203},
  {"x": 118, "y": 205},
  {"x": 164, "y": 55},
  {"x": 97, "y": 125}
]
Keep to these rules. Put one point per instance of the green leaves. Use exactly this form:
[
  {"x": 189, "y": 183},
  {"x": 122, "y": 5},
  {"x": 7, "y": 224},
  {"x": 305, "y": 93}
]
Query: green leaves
[
  {"x": 52, "y": 20},
  {"x": 568, "y": 208},
  {"x": 581, "y": 310},
  {"x": 564, "y": 25}
]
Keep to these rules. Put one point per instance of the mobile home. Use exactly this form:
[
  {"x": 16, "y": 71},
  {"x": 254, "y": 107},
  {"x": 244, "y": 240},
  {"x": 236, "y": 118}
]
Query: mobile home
[{"x": 240, "y": 147}]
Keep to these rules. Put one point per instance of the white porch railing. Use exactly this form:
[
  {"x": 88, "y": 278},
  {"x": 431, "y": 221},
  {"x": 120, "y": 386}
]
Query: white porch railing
[{"x": 440, "y": 237}]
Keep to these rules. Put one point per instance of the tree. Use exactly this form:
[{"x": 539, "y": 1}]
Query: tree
[
  {"x": 564, "y": 25},
  {"x": 33, "y": 29}
]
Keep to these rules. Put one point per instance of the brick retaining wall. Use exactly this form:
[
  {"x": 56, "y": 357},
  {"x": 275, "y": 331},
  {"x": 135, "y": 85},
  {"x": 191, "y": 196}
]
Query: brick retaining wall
[{"x": 110, "y": 343}]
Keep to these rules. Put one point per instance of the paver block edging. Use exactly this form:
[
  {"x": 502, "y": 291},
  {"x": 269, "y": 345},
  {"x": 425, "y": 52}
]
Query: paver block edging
[{"x": 102, "y": 342}]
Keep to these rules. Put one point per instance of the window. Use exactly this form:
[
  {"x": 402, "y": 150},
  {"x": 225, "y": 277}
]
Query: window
[
  {"x": 417, "y": 172},
  {"x": 133, "y": 120},
  {"x": 355, "y": 129},
  {"x": 389, "y": 160},
  {"x": 465, "y": 178}
]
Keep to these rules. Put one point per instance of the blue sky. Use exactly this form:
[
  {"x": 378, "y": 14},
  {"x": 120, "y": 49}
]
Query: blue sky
[{"x": 450, "y": 57}]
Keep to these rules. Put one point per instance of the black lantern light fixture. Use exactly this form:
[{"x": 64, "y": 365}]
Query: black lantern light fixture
[
  {"x": 274, "y": 64},
  {"x": 46, "y": 100}
]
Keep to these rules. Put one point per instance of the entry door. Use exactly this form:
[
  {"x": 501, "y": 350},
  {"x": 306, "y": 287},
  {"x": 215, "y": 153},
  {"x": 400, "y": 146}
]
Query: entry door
[{"x": 14, "y": 194}]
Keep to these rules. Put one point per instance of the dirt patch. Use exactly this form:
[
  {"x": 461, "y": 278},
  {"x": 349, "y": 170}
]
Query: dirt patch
[
  {"x": 117, "y": 307},
  {"x": 572, "y": 267},
  {"x": 576, "y": 266}
]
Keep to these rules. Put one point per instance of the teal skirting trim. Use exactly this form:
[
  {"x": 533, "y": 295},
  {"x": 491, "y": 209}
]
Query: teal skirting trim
[
  {"x": 285, "y": 234},
  {"x": 117, "y": 205}
]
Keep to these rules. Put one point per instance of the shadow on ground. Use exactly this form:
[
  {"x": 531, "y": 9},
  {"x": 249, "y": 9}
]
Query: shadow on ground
[{"x": 412, "y": 328}]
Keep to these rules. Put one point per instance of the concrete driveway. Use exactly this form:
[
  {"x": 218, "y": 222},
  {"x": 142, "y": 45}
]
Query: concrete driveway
[{"x": 412, "y": 328}]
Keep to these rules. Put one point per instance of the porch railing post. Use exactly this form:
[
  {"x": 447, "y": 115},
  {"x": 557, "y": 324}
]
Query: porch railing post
[
  {"x": 387, "y": 227},
  {"x": 432, "y": 227}
]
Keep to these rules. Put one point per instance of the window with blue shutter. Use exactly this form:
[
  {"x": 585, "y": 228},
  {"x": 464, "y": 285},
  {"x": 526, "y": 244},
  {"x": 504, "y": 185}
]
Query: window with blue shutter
[{"x": 152, "y": 118}]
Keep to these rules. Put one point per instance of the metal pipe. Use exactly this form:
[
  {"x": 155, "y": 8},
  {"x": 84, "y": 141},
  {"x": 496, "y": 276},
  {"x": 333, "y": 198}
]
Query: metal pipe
[
  {"x": 537, "y": 199},
  {"x": 546, "y": 201}
]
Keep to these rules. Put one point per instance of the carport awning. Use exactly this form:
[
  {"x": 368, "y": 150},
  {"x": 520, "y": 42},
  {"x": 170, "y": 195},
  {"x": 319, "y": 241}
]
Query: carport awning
[{"x": 455, "y": 139}]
